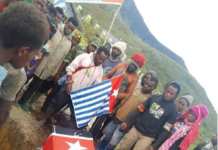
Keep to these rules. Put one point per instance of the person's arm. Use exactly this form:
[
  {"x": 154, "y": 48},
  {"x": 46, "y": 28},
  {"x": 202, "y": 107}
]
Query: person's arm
[
  {"x": 77, "y": 62},
  {"x": 139, "y": 110},
  {"x": 131, "y": 86},
  {"x": 111, "y": 73},
  {"x": 58, "y": 74},
  {"x": 166, "y": 130},
  {"x": 123, "y": 101}
]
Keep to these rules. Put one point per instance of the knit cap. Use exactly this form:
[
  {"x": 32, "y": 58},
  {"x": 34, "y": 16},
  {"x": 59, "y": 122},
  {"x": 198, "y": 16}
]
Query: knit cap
[
  {"x": 121, "y": 46},
  {"x": 188, "y": 98},
  {"x": 139, "y": 59}
]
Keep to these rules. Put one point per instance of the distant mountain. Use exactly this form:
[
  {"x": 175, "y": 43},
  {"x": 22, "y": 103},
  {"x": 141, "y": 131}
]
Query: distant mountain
[{"x": 130, "y": 13}]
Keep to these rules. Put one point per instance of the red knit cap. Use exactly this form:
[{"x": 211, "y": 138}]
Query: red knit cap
[{"x": 139, "y": 59}]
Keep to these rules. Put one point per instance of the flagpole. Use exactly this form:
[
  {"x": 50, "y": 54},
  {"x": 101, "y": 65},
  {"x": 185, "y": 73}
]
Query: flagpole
[{"x": 112, "y": 23}]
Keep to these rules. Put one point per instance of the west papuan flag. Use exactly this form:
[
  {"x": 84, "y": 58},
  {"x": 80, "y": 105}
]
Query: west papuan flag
[{"x": 68, "y": 139}]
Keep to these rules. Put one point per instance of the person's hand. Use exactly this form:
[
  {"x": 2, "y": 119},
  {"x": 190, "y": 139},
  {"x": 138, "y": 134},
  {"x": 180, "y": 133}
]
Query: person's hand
[
  {"x": 69, "y": 87},
  {"x": 112, "y": 113},
  {"x": 56, "y": 78},
  {"x": 49, "y": 78},
  {"x": 123, "y": 127},
  {"x": 150, "y": 148}
]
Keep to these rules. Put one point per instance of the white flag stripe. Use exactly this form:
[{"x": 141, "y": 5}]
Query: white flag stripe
[
  {"x": 88, "y": 108},
  {"x": 91, "y": 90},
  {"x": 104, "y": 106},
  {"x": 84, "y": 121},
  {"x": 91, "y": 102},
  {"x": 91, "y": 96}
]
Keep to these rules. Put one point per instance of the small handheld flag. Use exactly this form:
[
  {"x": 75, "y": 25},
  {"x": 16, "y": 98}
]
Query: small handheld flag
[{"x": 95, "y": 100}]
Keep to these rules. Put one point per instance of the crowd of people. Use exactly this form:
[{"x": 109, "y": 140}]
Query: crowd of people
[{"x": 36, "y": 47}]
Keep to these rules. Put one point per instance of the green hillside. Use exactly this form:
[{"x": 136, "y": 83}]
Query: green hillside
[{"x": 166, "y": 69}]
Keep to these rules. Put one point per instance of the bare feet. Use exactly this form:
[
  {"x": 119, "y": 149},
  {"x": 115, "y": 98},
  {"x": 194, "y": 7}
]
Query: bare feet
[{"x": 40, "y": 115}]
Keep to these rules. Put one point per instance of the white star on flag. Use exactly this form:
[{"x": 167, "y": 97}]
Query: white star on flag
[
  {"x": 75, "y": 146},
  {"x": 115, "y": 93}
]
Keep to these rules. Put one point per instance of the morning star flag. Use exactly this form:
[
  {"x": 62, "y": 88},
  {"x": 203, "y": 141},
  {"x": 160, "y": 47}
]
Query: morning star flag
[
  {"x": 61, "y": 3},
  {"x": 95, "y": 100},
  {"x": 68, "y": 139}
]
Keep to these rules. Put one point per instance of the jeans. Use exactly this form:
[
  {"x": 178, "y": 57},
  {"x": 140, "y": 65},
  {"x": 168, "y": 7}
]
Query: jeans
[{"x": 112, "y": 131}]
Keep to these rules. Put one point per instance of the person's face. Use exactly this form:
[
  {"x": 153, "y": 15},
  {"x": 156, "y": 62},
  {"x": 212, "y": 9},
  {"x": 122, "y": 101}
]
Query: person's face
[
  {"x": 100, "y": 58},
  {"x": 214, "y": 139},
  {"x": 131, "y": 68},
  {"x": 116, "y": 52},
  {"x": 69, "y": 28},
  {"x": 91, "y": 48},
  {"x": 146, "y": 77},
  {"x": 182, "y": 104},
  {"x": 170, "y": 93},
  {"x": 75, "y": 41},
  {"x": 191, "y": 116},
  {"x": 58, "y": 17},
  {"x": 148, "y": 86},
  {"x": 39, "y": 4},
  {"x": 22, "y": 57}
]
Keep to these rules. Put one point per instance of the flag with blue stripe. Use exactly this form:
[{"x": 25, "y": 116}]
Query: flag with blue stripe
[{"x": 95, "y": 100}]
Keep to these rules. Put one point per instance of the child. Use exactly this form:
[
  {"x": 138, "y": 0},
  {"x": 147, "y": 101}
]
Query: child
[
  {"x": 22, "y": 36},
  {"x": 186, "y": 129}
]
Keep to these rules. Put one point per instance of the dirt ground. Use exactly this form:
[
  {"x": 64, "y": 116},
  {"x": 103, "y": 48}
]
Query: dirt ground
[{"x": 20, "y": 133}]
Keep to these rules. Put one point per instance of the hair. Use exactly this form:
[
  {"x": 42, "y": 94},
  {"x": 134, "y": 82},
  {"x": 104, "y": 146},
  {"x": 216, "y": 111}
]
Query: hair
[
  {"x": 21, "y": 24},
  {"x": 103, "y": 49},
  {"x": 51, "y": 9},
  {"x": 155, "y": 80},
  {"x": 73, "y": 21},
  {"x": 175, "y": 85},
  {"x": 60, "y": 10},
  {"x": 97, "y": 35}
]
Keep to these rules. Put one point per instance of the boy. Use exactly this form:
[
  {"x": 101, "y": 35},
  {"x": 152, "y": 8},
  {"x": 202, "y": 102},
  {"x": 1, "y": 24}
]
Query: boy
[{"x": 20, "y": 41}]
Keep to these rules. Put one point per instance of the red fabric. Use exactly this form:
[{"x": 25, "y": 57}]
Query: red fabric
[
  {"x": 139, "y": 59},
  {"x": 1, "y": 6},
  {"x": 193, "y": 133},
  {"x": 80, "y": 68},
  {"x": 62, "y": 142},
  {"x": 116, "y": 82}
]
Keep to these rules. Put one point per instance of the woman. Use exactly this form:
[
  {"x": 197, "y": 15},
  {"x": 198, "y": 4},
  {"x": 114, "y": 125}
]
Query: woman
[{"x": 186, "y": 129}]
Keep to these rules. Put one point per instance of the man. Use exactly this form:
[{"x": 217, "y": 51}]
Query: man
[
  {"x": 91, "y": 47},
  {"x": 49, "y": 65},
  {"x": 123, "y": 110},
  {"x": 62, "y": 70},
  {"x": 129, "y": 82},
  {"x": 117, "y": 49},
  {"x": 59, "y": 15},
  {"x": 146, "y": 77},
  {"x": 183, "y": 103},
  {"x": 85, "y": 70},
  {"x": 155, "y": 118},
  {"x": 212, "y": 145},
  {"x": 20, "y": 41}
]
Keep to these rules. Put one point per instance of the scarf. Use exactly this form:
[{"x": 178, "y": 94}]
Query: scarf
[{"x": 176, "y": 136}]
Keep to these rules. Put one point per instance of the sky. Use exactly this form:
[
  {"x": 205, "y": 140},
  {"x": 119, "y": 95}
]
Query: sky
[{"x": 190, "y": 29}]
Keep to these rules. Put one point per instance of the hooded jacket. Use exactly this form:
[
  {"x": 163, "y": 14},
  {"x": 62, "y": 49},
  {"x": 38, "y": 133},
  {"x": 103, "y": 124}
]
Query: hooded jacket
[{"x": 155, "y": 117}]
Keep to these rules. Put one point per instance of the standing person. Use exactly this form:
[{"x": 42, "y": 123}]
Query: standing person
[
  {"x": 183, "y": 103},
  {"x": 123, "y": 110},
  {"x": 49, "y": 65},
  {"x": 155, "y": 118},
  {"x": 108, "y": 45},
  {"x": 19, "y": 41},
  {"x": 212, "y": 145},
  {"x": 85, "y": 70},
  {"x": 129, "y": 82},
  {"x": 146, "y": 77},
  {"x": 59, "y": 15},
  {"x": 186, "y": 129},
  {"x": 92, "y": 46},
  {"x": 117, "y": 49}
]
